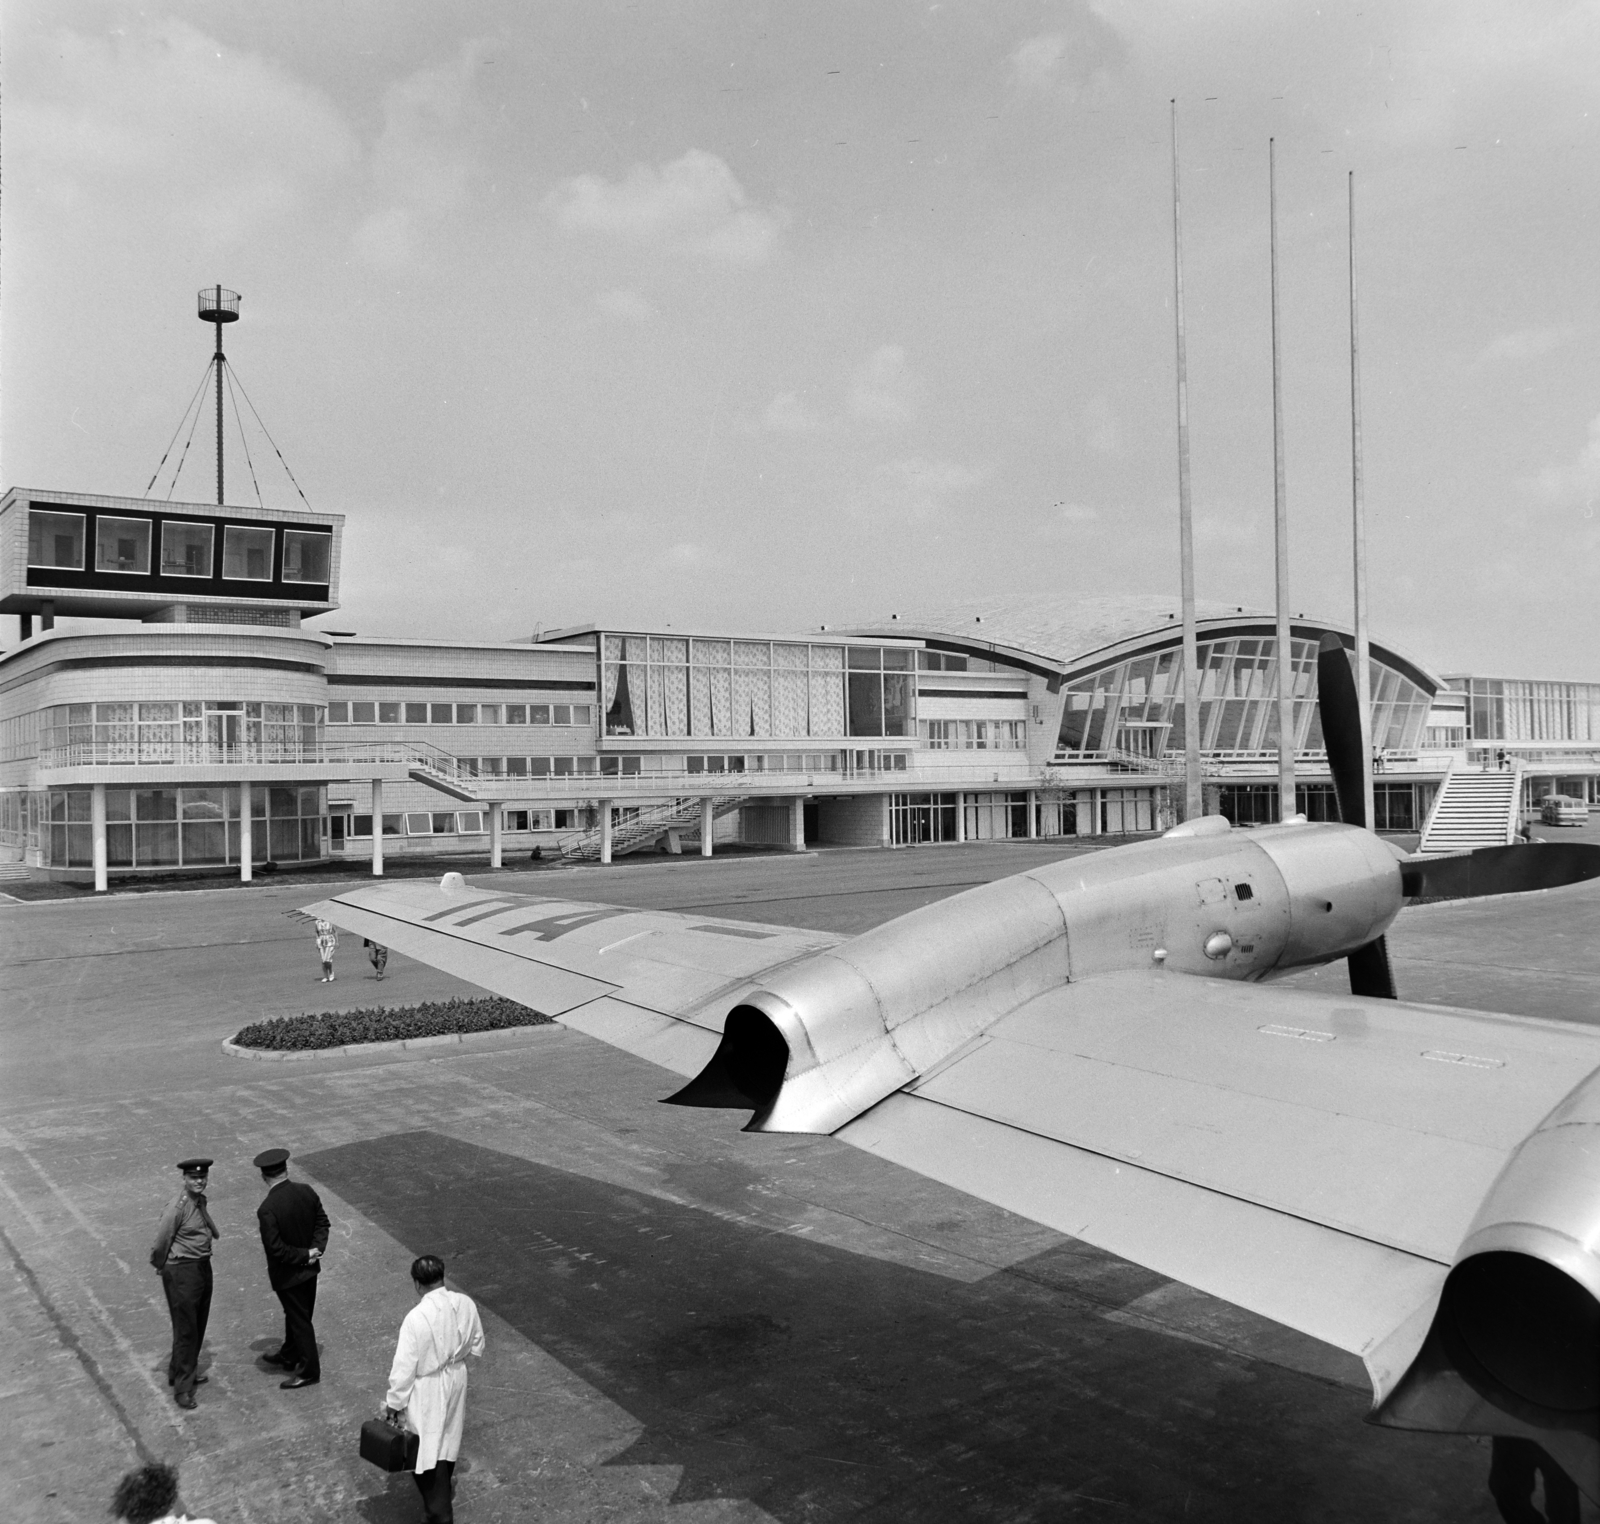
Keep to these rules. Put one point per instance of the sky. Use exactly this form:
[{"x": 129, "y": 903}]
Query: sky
[{"x": 770, "y": 316}]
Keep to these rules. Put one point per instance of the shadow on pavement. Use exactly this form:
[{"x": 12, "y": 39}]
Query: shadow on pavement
[{"x": 825, "y": 1385}]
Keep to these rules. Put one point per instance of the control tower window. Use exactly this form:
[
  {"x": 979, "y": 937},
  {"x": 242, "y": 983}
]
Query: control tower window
[
  {"x": 186, "y": 550},
  {"x": 306, "y": 556},
  {"x": 122, "y": 545},
  {"x": 55, "y": 539},
  {"x": 247, "y": 554}
]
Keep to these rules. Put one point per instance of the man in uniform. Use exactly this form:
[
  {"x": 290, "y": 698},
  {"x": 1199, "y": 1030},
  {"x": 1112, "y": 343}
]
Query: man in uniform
[
  {"x": 181, "y": 1256},
  {"x": 294, "y": 1232}
]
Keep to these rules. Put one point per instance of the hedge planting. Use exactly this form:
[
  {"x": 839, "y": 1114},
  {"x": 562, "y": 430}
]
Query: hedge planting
[{"x": 433, "y": 1018}]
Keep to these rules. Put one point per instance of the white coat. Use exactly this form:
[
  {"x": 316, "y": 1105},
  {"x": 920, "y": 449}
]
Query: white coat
[{"x": 429, "y": 1375}]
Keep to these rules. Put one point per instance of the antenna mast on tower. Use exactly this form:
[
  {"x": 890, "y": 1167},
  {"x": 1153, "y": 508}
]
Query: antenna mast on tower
[{"x": 218, "y": 305}]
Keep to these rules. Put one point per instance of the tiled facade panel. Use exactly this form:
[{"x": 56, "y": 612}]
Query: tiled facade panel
[{"x": 859, "y": 822}]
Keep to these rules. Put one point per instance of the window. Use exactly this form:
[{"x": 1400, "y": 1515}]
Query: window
[
  {"x": 122, "y": 545},
  {"x": 55, "y": 539},
  {"x": 443, "y": 714},
  {"x": 360, "y": 826},
  {"x": 539, "y": 714},
  {"x": 186, "y": 550},
  {"x": 444, "y": 822},
  {"x": 488, "y": 714},
  {"x": 516, "y": 714},
  {"x": 470, "y": 822},
  {"x": 416, "y": 714},
  {"x": 564, "y": 765},
  {"x": 580, "y": 714},
  {"x": 420, "y": 824},
  {"x": 363, "y": 714},
  {"x": 388, "y": 714},
  {"x": 515, "y": 820},
  {"x": 338, "y": 712},
  {"x": 247, "y": 554},
  {"x": 466, "y": 714},
  {"x": 516, "y": 767},
  {"x": 307, "y": 555},
  {"x": 561, "y": 714}
]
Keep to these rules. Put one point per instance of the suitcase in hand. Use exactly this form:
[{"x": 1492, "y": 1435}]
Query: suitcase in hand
[{"x": 388, "y": 1448}]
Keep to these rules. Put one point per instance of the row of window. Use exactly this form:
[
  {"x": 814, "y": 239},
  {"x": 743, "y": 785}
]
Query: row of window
[
  {"x": 354, "y": 827},
  {"x": 170, "y": 730},
  {"x": 56, "y": 542},
  {"x": 383, "y": 712},
  {"x": 974, "y": 735},
  {"x": 188, "y": 827}
]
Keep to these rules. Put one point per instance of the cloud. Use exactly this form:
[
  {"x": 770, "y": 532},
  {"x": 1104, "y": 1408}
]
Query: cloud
[
  {"x": 1580, "y": 478},
  {"x": 626, "y": 304},
  {"x": 693, "y": 206},
  {"x": 102, "y": 120},
  {"x": 884, "y": 390},
  {"x": 787, "y": 414},
  {"x": 914, "y": 490},
  {"x": 1066, "y": 62},
  {"x": 1525, "y": 344},
  {"x": 425, "y": 159}
]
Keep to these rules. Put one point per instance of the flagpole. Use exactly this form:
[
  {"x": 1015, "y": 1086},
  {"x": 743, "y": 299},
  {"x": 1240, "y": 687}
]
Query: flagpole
[
  {"x": 1359, "y": 527},
  {"x": 1280, "y": 504},
  {"x": 1194, "y": 802}
]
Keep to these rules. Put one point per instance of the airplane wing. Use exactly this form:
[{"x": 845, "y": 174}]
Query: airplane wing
[
  {"x": 654, "y": 983},
  {"x": 1314, "y": 1158}
]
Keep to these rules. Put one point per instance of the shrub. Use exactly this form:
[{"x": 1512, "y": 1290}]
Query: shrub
[{"x": 433, "y": 1018}]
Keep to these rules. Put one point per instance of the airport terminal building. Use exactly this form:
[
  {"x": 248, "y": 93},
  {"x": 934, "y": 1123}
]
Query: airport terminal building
[{"x": 217, "y": 731}]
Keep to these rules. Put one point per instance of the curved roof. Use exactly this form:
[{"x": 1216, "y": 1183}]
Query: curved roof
[{"x": 1069, "y": 635}]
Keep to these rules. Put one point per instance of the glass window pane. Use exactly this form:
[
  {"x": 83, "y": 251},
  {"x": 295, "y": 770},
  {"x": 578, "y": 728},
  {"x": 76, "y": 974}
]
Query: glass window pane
[
  {"x": 470, "y": 822},
  {"x": 560, "y": 714},
  {"x": 364, "y": 713},
  {"x": 466, "y": 714},
  {"x": 897, "y": 661},
  {"x": 307, "y": 556},
  {"x": 388, "y": 714},
  {"x": 55, "y": 539},
  {"x": 516, "y": 714},
  {"x": 444, "y": 823},
  {"x": 488, "y": 714},
  {"x": 866, "y": 703},
  {"x": 865, "y": 658},
  {"x": 419, "y": 825},
  {"x": 580, "y": 714},
  {"x": 442, "y": 714},
  {"x": 155, "y": 804},
  {"x": 122, "y": 545},
  {"x": 282, "y": 803},
  {"x": 338, "y": 712},
  {"x": 186, "y": 550},
  {"x": 416, "y": 714},
  {"x": 247, "y": 554},
  {"x": 539, "y": 714}
]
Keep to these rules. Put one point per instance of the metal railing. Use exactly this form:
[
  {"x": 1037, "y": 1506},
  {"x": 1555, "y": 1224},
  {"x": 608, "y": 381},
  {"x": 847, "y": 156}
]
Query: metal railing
[{"x": 178, "y": 754}]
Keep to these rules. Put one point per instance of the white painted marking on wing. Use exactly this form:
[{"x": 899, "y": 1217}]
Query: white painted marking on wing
[
  {"x": 1469, "y": 1060},
  {"x": 1304, "y": 1034}
]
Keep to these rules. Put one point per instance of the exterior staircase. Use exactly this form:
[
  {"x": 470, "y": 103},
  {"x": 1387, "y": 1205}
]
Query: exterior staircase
[
  {"x": 1473, "y": 810},
  {"x": 634, "y": 833}
]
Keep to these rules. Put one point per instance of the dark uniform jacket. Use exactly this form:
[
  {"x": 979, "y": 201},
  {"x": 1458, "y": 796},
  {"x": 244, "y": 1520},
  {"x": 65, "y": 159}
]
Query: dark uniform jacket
[{"x": 292, "y": 1223}]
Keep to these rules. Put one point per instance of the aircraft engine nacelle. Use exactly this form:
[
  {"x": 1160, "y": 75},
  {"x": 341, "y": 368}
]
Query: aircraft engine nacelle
[
  {"x": 1514, "y": 1344},
  {"x": 827, "y": 1038}
]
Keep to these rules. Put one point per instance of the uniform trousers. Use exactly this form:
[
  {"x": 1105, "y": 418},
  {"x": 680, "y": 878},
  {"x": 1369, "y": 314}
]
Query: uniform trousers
[
  {"x": 1513, "y": 1470},
  {"x": 437, "y": 1489},
  {"x": 187, "y": 1283},
  {"x": 299, "y": 1337}
]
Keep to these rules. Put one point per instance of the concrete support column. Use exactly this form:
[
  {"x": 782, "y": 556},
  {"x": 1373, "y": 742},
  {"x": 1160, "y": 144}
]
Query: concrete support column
[
  {"x": 47, "y": 614},
  {"x": 797, "y": 824},
  {"x": 377, "y": 827},
  {"x": 885, "y": 828},
  {"x": 246, "y": 840},
  {"x": 25, "y": 626},
  {"x": 961, "y": 816},
  {"x": 1033, "y": 815},
  {"x": 1094, "y": 812},
  {"x": 708, "y": 826},
  {"x": 97, "y": 828},
  {"x": 605, "y": 830},
  {"x": 496, "y": 810}
]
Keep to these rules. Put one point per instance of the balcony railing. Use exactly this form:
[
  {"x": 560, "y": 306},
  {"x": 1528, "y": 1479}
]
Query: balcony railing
[{"x": 178, "y": 754}]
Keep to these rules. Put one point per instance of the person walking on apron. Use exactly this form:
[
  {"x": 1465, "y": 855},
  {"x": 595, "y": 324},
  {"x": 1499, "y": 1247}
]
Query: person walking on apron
[{"x": 327, "y": 941}]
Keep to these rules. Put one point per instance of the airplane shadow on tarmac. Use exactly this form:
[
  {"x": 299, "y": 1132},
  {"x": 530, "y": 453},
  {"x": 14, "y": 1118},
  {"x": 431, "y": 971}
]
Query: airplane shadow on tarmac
[{"x": 826, "y": 1385}]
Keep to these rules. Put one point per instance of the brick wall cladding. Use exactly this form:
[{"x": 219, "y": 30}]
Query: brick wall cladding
[{"x": 859, "y": 822}]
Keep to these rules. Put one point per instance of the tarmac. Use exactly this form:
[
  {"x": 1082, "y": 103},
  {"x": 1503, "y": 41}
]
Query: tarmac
[{"x": 685, "y": 1322}]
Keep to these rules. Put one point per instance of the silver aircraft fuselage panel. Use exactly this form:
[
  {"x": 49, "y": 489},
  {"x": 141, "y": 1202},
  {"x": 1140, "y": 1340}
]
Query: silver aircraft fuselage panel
[{"x": 867, "y": 1017}]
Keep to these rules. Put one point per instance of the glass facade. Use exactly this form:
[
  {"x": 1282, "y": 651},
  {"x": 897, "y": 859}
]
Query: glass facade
[
  {"x": 55, "y": 539},
  {"x": 680, "y": 687},
  {"x": 186, "y": 827},
  {"x": 1510, "y": 709},
  {"x": 191, "y": 731},
  {"x": 1136, "y": 707},
  {"x": 186, "y": 549}
]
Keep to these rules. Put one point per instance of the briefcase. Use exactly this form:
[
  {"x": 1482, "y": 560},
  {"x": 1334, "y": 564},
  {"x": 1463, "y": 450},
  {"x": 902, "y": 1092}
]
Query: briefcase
[{"x": 388, "y": 1448}]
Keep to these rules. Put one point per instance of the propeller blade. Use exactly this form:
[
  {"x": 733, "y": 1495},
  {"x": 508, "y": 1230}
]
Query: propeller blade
[
  {"x": 1370, "y": 973},
  {"x": 1340, "y": 710},
  {"x": 1517, "y": 869}
]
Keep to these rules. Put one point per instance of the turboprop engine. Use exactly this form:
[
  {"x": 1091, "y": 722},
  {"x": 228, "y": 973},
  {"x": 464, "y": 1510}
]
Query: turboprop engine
[
  {"x": 1516, "y": 1333},
  {"x": 826, "y": 1038}
]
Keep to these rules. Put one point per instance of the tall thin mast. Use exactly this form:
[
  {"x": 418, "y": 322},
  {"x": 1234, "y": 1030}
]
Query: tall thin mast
[
  {"x": 1359, "y": 516},
  {"x": 218, "y": 363},
  {"x": 1280, "y": 503},
  {"x": 1194, "y": 803}
]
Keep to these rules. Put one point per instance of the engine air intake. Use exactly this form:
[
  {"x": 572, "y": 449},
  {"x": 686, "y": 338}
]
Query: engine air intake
[{"x": 746, "y": 1072}]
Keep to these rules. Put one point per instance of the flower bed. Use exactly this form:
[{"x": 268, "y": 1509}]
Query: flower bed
[{"x": 433, "y": 1018}]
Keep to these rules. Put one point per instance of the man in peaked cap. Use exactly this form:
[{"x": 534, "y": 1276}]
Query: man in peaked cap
[
  {"x": 294, "y": 1232},
  {"x": 181, "y": 1256}
]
